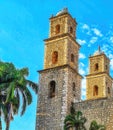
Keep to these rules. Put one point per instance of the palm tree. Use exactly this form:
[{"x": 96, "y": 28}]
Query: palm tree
[
  {"x": 3, "y": 111},
  {"x": 75, "y": 120},
  {"x": 14, "y": 85},
  {"x": 95, "y": 126}
]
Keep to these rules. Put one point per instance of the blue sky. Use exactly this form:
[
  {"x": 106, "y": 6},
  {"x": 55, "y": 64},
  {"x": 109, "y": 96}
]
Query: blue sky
[{"x": 25, "y": 23}]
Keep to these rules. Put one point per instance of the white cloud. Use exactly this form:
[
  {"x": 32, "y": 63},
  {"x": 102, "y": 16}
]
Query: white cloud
[
  {"x": 85, "y": 26},
  {"x": 93, "y": 39},
  {"x": 108, "y": 51},
  {"x": 89, "y": 33},
  {"x": 84, "y": 83},
  {"x": 83, "y": 88},
  {"x": 110, "y": 56},
  {"x": 111, "y": 39},
  {"x": 105, "y": 49},
  {"x": 81, "y": 71},
  {"x": 81, "y": 42},
  {"x": 87, "y": 29},
  {"x": 97, "y": 32},
  {"x": 111, "y": 63},
  {"x": 81, "y": 64},
  {"x": 82, "y": 56}
]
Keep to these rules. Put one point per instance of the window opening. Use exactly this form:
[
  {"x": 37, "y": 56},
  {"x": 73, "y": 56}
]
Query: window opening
[
  {"x": 108, "y": 90},
  {"x": 95, "y": 91},
  {"x": 57, "y": 29},
  {"x": 71, "y": 30},
  {"x": 55, "y": 57},
  {"x": 52, "y": 89},
  {"x": 96, "y": 67},
  {"x": 72, "y": 58}
]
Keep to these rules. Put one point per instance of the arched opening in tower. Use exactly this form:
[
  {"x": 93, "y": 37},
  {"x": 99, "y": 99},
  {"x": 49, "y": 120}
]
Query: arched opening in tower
[
  {"x": 52, "y": 86},
  {"x": 95, "y": 90},
  {"x": 57, "y": 29},
  {"x": 54, "y": 57}
]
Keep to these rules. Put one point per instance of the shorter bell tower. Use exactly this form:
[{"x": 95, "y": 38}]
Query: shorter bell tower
[{"x": 98, "y": 81}]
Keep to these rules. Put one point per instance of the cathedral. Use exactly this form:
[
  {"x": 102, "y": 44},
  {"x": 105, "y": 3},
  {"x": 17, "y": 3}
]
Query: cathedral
[{"x": 60, "y": 81}]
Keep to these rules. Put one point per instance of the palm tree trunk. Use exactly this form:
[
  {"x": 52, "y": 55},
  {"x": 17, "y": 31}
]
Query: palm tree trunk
[
  {"x": 77, "y": 127},
  {"x": 7, "y": 124},
  {"x": 0, "y": 123}
]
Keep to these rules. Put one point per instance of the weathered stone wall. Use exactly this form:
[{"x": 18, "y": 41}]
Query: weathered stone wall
[
  {"x": 100, "y": 110},
  {"x": 97, "y": 59},
  {"x": 51, "y": 112},
  {"x": 59, "y": 45},
  {"x": 61, "y": 20},
  {"x": 106, "y": 64},
  {"x": 65, "y": 21},
  {"x": 50, "y": 109},
  {"x": 73, "y": 48},
  {"x": 98, "y": 76},
  {"x": 65, "y": 46},
  {"x": 98, "y": 80},
  {"x": 108, "y": 83},
  {"x": 103, "y": 63}
]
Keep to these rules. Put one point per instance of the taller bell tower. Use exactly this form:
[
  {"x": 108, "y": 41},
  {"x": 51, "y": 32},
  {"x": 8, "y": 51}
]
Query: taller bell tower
[{"x": 60, "y": 82}]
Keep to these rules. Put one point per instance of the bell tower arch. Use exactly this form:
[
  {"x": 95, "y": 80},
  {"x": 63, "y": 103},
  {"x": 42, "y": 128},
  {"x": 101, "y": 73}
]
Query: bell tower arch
[{"x": 60, "y": 82}]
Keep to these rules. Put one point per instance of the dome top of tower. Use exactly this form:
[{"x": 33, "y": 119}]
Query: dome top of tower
[
  {"x": 98, "y": 52},
  {"x": 65, "y": 10}
]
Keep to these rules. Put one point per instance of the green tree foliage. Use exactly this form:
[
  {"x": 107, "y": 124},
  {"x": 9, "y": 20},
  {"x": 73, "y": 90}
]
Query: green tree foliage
[
  {"x": 95, "y": 126},
  {"x": 13, "y": 85},
  {"x": 75, "y": 120}
]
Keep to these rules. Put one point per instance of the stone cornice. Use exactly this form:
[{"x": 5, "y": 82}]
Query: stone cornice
[
  {"x": 102, "y": 54},
  {"x": 59, "y": 67},
  {"x": 91, "y": 100},
  {"x": 61, "y": 36},
  {"x": 99, "y": 73}
]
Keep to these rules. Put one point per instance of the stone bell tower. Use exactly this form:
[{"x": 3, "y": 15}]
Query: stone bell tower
[
  {"x": 98, "y": 81},
  {"x": 60, "y": 82}
]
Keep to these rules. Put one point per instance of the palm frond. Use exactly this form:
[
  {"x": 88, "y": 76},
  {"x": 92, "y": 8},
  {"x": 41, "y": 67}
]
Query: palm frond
[
  {"x": 75, "y": 120},
  {"x": 28, "y": 95},
  {"x": 10, "y": 93},
  {"x": 24, "y": 71},
  {"x": 33, "y": 85},
  {"x": 24, "y": 105},
  {"x": 18, "y": 101}
]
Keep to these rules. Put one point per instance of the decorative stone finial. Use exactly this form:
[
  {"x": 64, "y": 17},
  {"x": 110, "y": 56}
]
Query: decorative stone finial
[
  {"x": 99, "y": 49},
  {"x": 65, "y": 10},
  {"x": 98, "y": 52}
]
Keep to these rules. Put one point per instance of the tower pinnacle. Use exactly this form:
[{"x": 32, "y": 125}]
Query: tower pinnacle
[{"x": 99, "y": 49}]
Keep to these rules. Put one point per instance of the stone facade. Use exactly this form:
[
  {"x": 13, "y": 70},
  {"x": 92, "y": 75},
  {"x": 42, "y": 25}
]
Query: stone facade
[
  {"x": 60, "y": 82},
  {"x": 100, "y": 109},
  {"x": 98, "y": 77},
  {"x": 51, "y": 111},
  {"x": 102, "y": 61},
  {"x": 65, "y": 46},
  {"x": 65, "y": 21}
]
